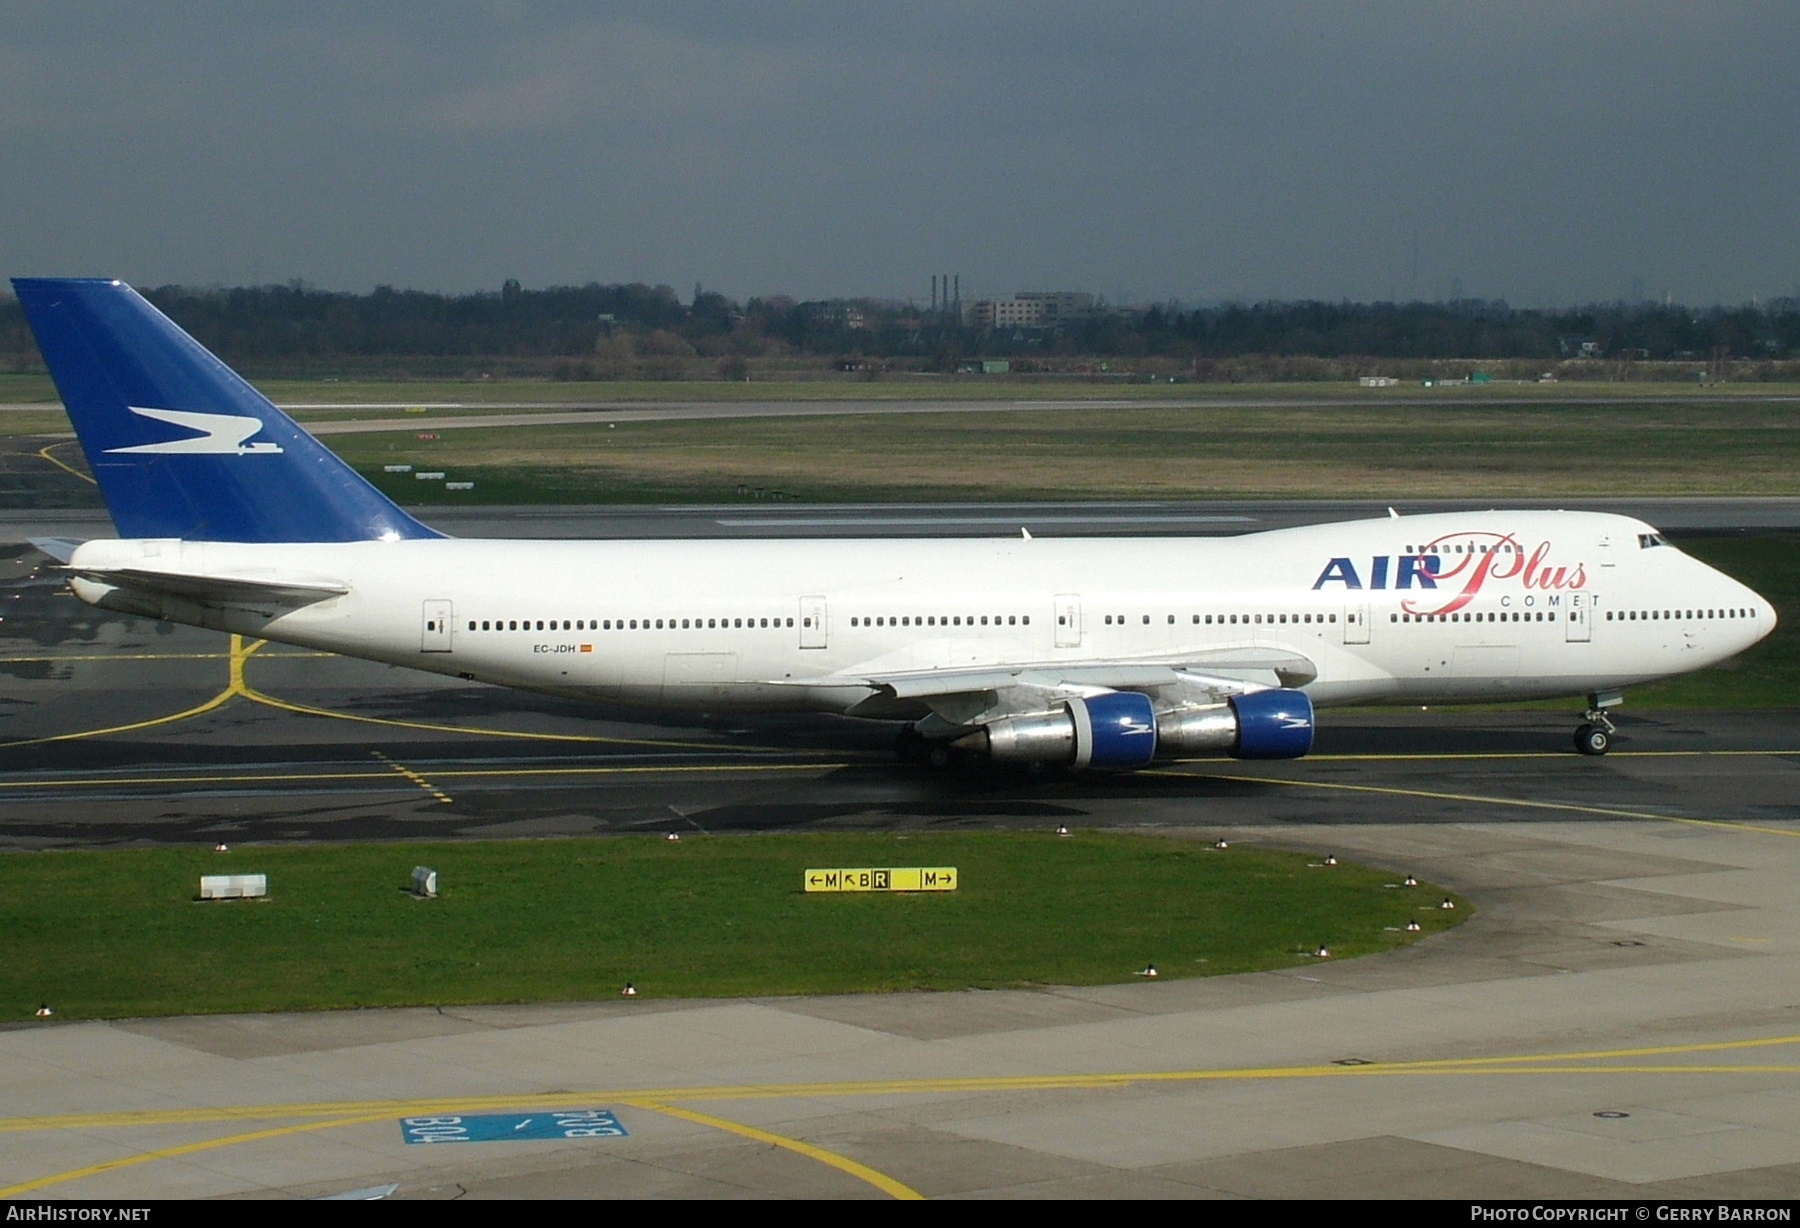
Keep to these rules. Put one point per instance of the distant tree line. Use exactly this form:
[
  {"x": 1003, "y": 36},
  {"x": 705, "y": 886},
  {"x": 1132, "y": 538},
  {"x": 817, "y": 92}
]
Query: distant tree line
[{"x": 619, "y": 331}]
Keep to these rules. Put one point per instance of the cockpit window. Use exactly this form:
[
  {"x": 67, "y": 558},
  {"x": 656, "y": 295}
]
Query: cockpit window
[{"x": 1649, "y": 541}]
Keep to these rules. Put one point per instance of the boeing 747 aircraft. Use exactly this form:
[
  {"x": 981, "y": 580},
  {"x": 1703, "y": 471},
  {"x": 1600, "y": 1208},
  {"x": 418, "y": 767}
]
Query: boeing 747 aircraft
[{"x": 1089, "y": 653}]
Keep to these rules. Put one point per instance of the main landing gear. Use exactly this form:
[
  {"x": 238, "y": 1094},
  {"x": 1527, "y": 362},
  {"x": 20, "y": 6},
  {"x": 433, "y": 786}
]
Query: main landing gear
[
  {"x": 914, "y": 747},
  {"x": 1595, "y": 734}
]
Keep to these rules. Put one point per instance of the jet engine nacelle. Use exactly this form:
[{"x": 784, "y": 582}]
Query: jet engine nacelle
[
  {"x": 1122, "y": 729},
  {"x": 1273, "y": 724}
]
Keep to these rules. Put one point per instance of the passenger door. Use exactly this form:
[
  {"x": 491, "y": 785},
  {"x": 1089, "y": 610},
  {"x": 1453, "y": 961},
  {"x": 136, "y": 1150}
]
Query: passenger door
[
  {"x": 1356, "y": 624},
  {"x": 1578, "y": 625},
  {"x": 434, "y": 626},
  {"x": 812, "y": 622},
  {"x": 1068, "y": 620}
]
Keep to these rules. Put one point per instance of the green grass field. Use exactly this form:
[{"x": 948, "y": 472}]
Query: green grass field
[
  {"x": 119, "y": 933},
  {"x": 1386, "y": 445},
  {"x": 20, "y": 389},
  {"x": 826, "y": 386},
  {"x": 1384, "y": 451}
]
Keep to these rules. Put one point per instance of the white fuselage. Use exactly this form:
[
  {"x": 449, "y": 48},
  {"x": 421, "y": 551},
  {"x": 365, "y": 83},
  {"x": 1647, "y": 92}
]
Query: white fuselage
[{"x": 1416, "y": 608}]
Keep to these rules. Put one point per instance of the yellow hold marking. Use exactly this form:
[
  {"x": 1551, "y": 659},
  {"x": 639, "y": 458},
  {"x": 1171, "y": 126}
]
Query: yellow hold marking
[
  {"x": 862, "y": 1172},
  {"x": 413, "y": 776}
]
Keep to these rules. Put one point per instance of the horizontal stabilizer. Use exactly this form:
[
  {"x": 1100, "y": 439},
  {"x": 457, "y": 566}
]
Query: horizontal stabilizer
[
  {"x": 214, "y": 590},
  {"x": 62, "y": 549}
]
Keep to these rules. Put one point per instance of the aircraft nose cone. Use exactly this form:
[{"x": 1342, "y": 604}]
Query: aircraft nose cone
[{"x": 1764, "y": 616}]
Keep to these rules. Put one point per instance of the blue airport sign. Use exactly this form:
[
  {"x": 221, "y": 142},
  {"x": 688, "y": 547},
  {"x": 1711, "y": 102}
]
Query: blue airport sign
[{"x": 500, "y": 1127}]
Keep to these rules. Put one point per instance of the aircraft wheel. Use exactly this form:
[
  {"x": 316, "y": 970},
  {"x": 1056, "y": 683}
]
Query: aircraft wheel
[{"x": 1592, "y": 740}]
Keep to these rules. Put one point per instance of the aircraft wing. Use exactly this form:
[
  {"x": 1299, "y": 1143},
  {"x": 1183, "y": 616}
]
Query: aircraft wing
[{"x": 957, "y": 693}]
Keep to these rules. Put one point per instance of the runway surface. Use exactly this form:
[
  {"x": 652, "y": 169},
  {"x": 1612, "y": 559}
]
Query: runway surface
[
  {"x": 752, "y": 519},
  {"x": 456, "y": 415},
  {"x": 176, "y": 738},
  {"x": 565, "y": 413},
  {"x": 1621, "y": 1017}
]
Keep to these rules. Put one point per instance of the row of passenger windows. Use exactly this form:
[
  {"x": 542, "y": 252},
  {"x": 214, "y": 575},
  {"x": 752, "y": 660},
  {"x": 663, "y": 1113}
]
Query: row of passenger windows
[
  {"x": 1550, "y": 616},
  {"x": 944, "y": 620},
  {"x": 626, "y": 624},
  {"x": 1471, "y": 548},
  {"x": 984, "y": 620},
  {"x": 1635, "y": 616},
  {"x": 1230, "y": 619},
  {"x": 1486, "y": 616}
]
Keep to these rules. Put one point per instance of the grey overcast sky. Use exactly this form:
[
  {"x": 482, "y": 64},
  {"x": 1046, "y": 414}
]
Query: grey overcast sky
[{"x": 1545, "y": 151}]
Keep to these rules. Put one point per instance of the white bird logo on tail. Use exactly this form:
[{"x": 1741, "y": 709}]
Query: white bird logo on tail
[{"x": 222, "y": 433}]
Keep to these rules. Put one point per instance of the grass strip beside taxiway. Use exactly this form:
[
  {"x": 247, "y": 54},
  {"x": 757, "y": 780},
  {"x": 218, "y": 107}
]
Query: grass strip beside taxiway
[{"x": 120, "y": 933}]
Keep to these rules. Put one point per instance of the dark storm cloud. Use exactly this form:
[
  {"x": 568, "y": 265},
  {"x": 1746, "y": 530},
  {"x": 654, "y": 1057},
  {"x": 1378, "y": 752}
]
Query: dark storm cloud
[{"x": 1538, "y": 151}]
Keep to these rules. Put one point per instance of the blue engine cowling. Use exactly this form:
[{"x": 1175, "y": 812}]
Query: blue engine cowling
[
  {"x": 1273, "y": 724},
  {"x": 1115, "y": 730},
  {"x": 1122, "y": 729}
]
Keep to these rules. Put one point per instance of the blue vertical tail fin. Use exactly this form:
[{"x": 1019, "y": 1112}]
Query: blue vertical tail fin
[{"x": 181, "y": 445}]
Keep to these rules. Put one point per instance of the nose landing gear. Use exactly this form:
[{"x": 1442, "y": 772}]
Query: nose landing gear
[
  {"x": 1594, "y": 736},
  {"x": 1594, "y": 739}
]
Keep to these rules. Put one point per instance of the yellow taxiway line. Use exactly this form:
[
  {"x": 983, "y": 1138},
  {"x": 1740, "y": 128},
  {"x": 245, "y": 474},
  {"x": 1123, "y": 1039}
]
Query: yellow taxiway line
[
  {"x": 1484, "y": 800},
  {"x": 862, "y": 1172},
  {"x": 241, "y": 649},
  {"x": 1575, "y": 1061},
  {"x": 413, "y": 776},
  {"x": 62, "y": 464},
  {"x": 343, "y": 1113},
  {"x": 238, "y": 687},
  {"x": 256, "y": 696},
  {"x": 166, "y": 1153},
  {"x": 246, "y": 778},
  {"x": 234, "y": 686}
]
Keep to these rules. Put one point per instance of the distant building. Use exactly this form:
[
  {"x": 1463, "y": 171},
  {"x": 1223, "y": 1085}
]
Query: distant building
[
  {"x": 1058, "y": 305},
  {"x": 1004, "y": 313},
  {"x": 1030, "y": 309}
]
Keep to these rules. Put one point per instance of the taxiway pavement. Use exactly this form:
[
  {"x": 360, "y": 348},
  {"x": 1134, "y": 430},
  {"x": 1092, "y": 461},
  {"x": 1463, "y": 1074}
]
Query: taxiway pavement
[
  {"x": 1620, "y": 1018},
  {"x": 751, "y": 518}
]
